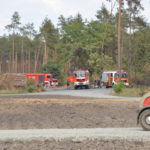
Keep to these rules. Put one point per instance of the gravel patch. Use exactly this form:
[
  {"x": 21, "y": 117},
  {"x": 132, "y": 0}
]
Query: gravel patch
[
  {"x": 89, "y": 93},
  {"x": 131, "y": 134}
]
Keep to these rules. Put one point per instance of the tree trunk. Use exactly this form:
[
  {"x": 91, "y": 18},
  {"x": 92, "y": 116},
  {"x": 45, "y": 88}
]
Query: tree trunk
[
  {"x": 26, "y": 62},
  {"x": 29, "y": 62},
  {"x": 13, "y": 54},
  {"x": 0, "y": 64},
  {"x": 16, "y": 63},
  {"x": 9, "y": 63},
  {"x": 45, "y": 54},
  {"x": 22, "y": 57},
  {"x": 122, "y": 42},
  {"x": 36, "y": 56},
  {"x": 130, "y": 44}
]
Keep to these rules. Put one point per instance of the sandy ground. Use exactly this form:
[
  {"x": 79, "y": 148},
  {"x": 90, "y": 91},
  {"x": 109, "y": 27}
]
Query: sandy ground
[
  {"x": 66, "y": 112},
  {"x": 75, "y": 145},
  {"x": 43, "y": 112}
]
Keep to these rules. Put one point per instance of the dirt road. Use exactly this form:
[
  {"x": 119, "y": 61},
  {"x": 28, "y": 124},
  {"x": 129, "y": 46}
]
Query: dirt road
[
  {"x": 75, "y": 139},
  {"x": 91, "y": 93}
]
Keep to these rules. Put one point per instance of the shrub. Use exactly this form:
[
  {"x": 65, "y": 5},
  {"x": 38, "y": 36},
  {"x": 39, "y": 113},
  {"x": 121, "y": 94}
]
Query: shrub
[
  {"x": 30, "y": 89},
  {"x": 33, "y": 86},
  {"x": 118, "y": 88}
]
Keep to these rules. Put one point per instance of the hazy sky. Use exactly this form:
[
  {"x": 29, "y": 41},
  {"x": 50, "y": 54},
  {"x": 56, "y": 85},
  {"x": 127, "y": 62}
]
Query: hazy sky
[{"x": 36, "y": 10}]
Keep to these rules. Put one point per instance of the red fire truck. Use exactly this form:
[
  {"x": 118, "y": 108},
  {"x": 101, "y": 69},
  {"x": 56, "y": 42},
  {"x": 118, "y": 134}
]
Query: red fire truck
[
  {"x": 80, "y": 78},
  {"x": 43, "y": 78}
]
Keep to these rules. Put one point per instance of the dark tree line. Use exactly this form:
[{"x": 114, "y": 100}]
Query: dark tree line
[{"x": 80, "y": 44}]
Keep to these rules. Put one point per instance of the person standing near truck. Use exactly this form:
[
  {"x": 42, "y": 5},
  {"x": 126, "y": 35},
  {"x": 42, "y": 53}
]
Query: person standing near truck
[
  {"x": 68, "y": 84},
  {"x": 98, "y": 83}
]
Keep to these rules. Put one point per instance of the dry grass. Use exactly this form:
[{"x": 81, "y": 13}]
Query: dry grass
[
  {"x": 15, "y": 91},
  {"x": 135, "y": 92}
]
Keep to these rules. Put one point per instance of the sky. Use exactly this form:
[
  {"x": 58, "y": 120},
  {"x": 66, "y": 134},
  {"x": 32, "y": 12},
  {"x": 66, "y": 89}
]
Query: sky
[{"x": 34, "y": 11}]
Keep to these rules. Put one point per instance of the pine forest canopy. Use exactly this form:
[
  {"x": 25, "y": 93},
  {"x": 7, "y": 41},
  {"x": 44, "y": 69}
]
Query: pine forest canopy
[{"x": 80, "y": 44}]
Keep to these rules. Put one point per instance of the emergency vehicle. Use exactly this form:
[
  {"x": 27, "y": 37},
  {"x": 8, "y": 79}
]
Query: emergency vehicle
[
  {"x": 80, "y": 78},
  {"x": 43, "y": 78},
  {"x": 110, "y": 78}
]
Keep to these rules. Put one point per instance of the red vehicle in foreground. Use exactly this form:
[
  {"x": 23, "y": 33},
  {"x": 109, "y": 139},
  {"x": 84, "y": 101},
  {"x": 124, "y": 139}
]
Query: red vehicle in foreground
[
  {"x": 43, "y": 78},
  {"x": 80, "y": 78},
  {"x": 144, "y": 114}
]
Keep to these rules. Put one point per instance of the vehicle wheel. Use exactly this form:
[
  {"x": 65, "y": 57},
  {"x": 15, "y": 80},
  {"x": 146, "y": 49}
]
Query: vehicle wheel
[
  {"x": 144, "y": 119},
  {"x": 75, "y": 87},
  {"x": 50, "y": 83},
  {"x": 87, "y": 87}
]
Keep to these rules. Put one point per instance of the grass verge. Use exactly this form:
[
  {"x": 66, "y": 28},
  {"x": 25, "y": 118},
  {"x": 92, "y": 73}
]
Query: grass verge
[
  {"x": 12, "y": 91},
  {"x": 133, "y": 92}
]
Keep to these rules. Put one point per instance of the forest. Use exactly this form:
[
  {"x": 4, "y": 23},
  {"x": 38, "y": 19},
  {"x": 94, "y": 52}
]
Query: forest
[{"x": 76, "y": 43}]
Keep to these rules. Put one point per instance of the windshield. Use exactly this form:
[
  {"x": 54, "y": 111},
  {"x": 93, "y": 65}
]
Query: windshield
[
  {"x": 80, "y": 74},
  {"x": 123, "y": 75},
  {"x": 49, "y": 76},
  {"x": 104, "y": 76}
]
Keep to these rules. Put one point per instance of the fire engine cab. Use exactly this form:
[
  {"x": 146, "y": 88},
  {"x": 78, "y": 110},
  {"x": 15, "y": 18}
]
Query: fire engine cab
[{"x": 80, "y": 78}]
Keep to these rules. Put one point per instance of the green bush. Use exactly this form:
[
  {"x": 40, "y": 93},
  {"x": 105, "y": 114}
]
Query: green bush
[
  {"x": 118, "y": 88},
  {"x": 33, "y": 86},
  {"x": 30, "y": 89}
]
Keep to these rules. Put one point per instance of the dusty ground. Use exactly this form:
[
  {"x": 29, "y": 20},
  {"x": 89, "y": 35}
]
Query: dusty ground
[
  {"x": 24, "y": 112},
  {"x": 75, "y": 145}
]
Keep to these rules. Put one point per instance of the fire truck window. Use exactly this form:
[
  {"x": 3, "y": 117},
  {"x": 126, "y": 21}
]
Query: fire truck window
[
  {"x": 83, "y": 74},
  {"x": 104, "y": 76},
  {"x": 80, "y": 74},
  {"x": 41, "y": 79},
  {"x": 124, "y": 75},
  {"x": 75, "y": 75},
  {"x": 116, "y": 75},
  {"x": 49, "y": 77}
]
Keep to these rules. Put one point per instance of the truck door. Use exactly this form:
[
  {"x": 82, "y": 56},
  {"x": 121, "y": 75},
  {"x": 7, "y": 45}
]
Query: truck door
[
  {"x": 110, "y": 78},
  {"x": 71, "y": 77}
]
